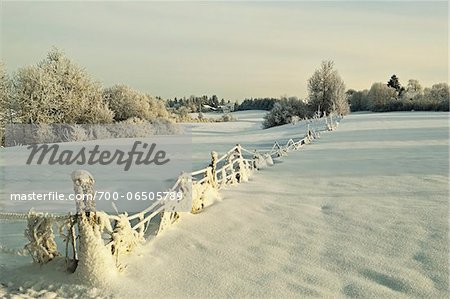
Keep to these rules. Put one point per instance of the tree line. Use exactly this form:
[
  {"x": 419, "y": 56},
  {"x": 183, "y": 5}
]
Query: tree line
[
  {"x": 392, "y": 96},
  {"x": 197, "y": 103}
]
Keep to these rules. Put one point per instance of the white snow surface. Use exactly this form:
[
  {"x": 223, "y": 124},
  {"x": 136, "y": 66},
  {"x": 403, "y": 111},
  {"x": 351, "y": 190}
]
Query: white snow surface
[{"x": 362, "y": 212}]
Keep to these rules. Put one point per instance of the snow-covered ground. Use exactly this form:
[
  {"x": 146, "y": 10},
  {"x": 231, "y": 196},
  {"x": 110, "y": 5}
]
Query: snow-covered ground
[{"x": 363, "y": 212}]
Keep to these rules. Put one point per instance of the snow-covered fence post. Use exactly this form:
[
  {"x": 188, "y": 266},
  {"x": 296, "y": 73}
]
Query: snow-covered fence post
[
  {"x": 243, "y": 169},
  {"x": 95, "y": 261},
  {"x": 278, "y": 150},
  {"x": 232, "y": 171},
  {"x": 83, "y": 186},
  {"x": 256, "y": 158},
  {"x": 213, "y": 165}
]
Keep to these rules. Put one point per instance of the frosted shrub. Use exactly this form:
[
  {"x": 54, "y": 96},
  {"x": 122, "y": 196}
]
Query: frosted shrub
[
  {"x": 78, "y": 133},
  {"x": 227, "y": 117},
  {"x": 284, "y": 111},
  {"x": 131, "y": 128},
  {"x": 100, "y": 132},
  {"x": 39, "y": 232},
  {"x": 163, "y": 126},
  {"x": 138, "y": 127},
  {"x": 128, "y": 103},
  {"x": 45, "y": 134},
  {"x": 167, "y": 219},
  {"x": 123, "y": 238}
]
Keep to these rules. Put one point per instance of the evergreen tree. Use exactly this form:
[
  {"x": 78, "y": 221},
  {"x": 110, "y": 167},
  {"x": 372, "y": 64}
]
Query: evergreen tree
[{"x": 395, "y": 84}]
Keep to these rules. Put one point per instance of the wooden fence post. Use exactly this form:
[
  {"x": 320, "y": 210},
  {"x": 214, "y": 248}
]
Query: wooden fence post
[
  {"x": 83, "y": 186},
  {"x": 214, "y": 167}
]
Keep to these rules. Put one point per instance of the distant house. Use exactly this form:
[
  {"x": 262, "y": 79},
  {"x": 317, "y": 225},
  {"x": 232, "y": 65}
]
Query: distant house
[
  {"x": 227, "y": 108},
  {"x": 208, "y": 108}
]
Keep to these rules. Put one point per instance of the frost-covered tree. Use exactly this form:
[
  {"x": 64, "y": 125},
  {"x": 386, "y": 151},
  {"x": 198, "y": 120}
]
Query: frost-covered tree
[
  {"x": 439, "y": 92},
  {"x": 413, "y": 90},
  {"x": 379, "y": 95},
  {"x": 56, "y": 90},
  {"x": 327, "y": 90},
  {"x": 359, "y": 101},
  {"x": 4, "y": 102},
  {"x": 127, "y": 102}
]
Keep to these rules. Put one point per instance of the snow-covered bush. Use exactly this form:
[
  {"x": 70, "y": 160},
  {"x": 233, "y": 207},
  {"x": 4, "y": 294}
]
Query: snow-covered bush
[
  {"x": 39, "y": 232},
  {"x": 163, "y": 126},
  {"x": 124, "y": 239},
  {"x": 78, "y": 133},
  {"x": 284, "y": 111},
  {"x": 131, "y": 128},
  {"x": 100, "y": 132},
  {"x": 128, "y": 103},
  {"x": 56, "y": 90},
  {"x": 226, "y": 118},
  {"x": 45, "y": 134}
]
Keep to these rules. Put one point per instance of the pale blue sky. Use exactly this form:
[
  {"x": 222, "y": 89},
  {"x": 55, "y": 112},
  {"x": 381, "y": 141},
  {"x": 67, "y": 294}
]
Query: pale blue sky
[{"x": 232, "y": 49}]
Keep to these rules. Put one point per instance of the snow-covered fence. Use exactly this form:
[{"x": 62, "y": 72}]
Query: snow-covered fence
[{"x": 95, "y": 238}]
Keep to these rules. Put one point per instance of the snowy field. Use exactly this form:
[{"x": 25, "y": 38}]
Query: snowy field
[{"x": 360, "y": 213}]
